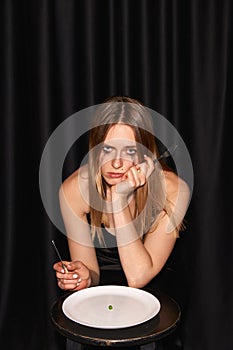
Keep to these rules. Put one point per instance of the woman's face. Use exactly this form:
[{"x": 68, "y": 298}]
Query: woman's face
[{"x": 118, "y": 153}]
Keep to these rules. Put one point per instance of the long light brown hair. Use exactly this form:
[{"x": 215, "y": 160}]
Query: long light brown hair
[{"x": 150, "y": 198}]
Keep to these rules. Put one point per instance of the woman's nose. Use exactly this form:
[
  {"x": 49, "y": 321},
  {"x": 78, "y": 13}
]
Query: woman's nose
[{"x": 117, "y": 162}]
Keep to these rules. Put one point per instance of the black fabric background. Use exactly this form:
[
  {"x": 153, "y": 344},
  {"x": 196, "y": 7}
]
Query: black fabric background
[{"x": 60, "y": 56}]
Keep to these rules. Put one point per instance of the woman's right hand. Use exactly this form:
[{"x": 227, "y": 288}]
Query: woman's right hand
[{"x": 76, "y": 277}]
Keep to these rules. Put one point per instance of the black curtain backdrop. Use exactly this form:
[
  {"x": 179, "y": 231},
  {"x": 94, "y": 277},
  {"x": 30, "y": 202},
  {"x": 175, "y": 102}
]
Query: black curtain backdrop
[{"x": 60, "y": 56}]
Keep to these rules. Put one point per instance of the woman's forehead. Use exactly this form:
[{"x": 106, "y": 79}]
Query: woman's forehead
[{"x": 120, "y": 131}]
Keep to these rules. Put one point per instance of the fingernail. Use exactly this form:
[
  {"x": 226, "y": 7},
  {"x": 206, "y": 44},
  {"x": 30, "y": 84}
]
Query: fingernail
[
  {"x": 80, "y": 279},
  {"x": 75, "y": 275},
  {"x": 77, "y": 284},
  {"x": 62, "y": 271}
]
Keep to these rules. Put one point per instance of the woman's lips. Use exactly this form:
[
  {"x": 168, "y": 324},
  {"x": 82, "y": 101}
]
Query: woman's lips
[{"x": 115, "y": 175}]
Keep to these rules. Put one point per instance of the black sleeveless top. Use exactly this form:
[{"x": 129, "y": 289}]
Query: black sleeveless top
[{"x": 111, "y": 271}]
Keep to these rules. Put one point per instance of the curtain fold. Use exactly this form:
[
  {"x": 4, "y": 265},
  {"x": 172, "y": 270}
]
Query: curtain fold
[{"x": 61, "y": 56}]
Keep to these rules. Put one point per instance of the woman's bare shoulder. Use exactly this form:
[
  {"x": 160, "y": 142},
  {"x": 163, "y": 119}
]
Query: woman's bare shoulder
[
  {"x": 75, "y": 188},
  {"x": 174, "y": 183}
]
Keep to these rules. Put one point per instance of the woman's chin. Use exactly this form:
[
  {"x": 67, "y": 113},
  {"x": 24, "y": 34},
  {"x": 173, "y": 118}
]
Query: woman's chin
[{"x": 112, "y": 182}]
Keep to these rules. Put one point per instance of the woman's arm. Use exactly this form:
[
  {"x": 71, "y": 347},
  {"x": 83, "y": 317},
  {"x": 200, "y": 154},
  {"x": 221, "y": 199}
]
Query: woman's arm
[
  {"x": 74, "y": 210},
  {"x": 143, "y": 260}
]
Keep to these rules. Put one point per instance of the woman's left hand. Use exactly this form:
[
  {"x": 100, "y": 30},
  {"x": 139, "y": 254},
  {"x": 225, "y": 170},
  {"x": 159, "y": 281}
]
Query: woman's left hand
[{"x": 135, "y": 177}]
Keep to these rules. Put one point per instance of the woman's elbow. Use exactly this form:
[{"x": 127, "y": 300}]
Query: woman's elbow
[
  {"x": 142, "y": 280},
  {"x": 135, "y": 283},
  {"x": 138, "y": 282}
]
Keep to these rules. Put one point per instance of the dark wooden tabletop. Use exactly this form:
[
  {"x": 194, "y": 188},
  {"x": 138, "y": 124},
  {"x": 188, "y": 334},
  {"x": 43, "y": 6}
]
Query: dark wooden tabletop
[{"x": 156, "y": 328}]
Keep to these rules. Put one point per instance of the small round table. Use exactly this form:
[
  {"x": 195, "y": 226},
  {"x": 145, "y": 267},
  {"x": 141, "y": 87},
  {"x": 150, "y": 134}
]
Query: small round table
[{"x": 150, "y": 331}]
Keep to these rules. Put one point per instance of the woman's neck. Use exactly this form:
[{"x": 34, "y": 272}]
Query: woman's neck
[{"x": 108, "y": 220}]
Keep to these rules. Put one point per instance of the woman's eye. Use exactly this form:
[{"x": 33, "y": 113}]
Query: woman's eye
[
  {"x": 107, "y": 149},
  {"x": 131, "y": 151}
]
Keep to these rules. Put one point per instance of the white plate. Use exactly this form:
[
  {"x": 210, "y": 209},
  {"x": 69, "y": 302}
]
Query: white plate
[{"x": 110, "y": 306}]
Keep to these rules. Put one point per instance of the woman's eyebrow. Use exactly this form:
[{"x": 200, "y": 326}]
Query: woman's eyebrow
[
  {"x": 115, "y": 145},
  {"x": 107, "y": 144},
  {"x": 131, "y": 146}
]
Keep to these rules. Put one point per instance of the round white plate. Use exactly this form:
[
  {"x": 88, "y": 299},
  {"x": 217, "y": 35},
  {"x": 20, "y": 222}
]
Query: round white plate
[{"x": 110, "y": 306}]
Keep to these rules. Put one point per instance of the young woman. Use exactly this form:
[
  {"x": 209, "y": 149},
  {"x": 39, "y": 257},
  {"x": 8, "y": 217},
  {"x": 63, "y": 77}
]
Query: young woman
[{"x": 122, "y": 211}]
